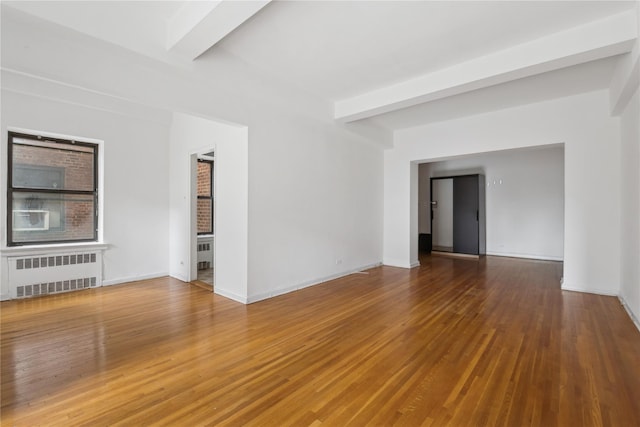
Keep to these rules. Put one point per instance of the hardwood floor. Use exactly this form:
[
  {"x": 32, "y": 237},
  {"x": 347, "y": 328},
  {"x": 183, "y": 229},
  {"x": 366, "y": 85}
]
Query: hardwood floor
[
  {"x": 454, "y": 342},
  {"x": 206, "y": 276}
]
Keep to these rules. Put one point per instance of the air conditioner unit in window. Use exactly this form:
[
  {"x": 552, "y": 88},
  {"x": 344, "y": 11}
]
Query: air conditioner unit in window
[{"x": 30, "y": 220}]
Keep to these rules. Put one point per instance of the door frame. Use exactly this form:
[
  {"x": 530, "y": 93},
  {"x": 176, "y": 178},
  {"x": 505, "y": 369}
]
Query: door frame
[
  {"x": 193, "y": 210},
  {"x": 481, "y": 207}
]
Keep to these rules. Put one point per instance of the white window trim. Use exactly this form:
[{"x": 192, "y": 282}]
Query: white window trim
[{"x": 3, "y": 215}]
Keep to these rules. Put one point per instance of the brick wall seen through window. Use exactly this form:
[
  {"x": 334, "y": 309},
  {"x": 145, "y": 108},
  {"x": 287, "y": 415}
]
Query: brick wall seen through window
[
  {"x": 205, "y": 197},
  {"x": 52, "y": 190}
]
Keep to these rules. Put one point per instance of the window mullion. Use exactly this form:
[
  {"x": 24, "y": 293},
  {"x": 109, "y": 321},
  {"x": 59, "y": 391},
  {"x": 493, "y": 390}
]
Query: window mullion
[{"x": 40, "y": 209}]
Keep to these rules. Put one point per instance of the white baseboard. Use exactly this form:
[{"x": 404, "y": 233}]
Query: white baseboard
[
  {"x": 179, "y": 277},
  {"x": 574, "y": 288},
  {"x": 228, "y": 294},
  {"x": 122, "y": 280},
  {"x": 633, "y": 317},
  {"x": 525, "y": 256},
  {"x": 276, "y": 292},
  {"x": 5, "y": 297},
  {"x": 399, "y": 263}
]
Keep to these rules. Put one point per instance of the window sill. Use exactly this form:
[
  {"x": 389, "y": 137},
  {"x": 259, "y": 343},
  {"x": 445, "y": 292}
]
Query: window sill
[{"x": 50, "y": 249}]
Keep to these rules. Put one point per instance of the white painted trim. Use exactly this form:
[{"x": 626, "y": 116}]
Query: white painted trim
[
  {"x": 414, "y": 264},
  {"x": 123, "y": 280},
  {"x": 58, "y": 91},
  {"x": 192, "y": 216},
  {"x": 54, "y": 135},
  {"x": 199, "y": 25},
  {"x": 228, "y": 294},
  {"x": 634, "y": 319},
  {"x": 626, "y": 76},
  {"x": 620, "y": 99},
  {"x": 179, "y": 277},
  {"x": 277, "y": 292},
  {"x": 610, "y": 36},
  {"x": 573, "y": 288},
  {"x": 525, "y": 256},
  {"x": 397, "y": 263},
  {"x": 5, "y": 297},
  {"x": 49, "y": 249},
  {"x": 101, "y": 146},
  {"x": 194, "y": 155}
]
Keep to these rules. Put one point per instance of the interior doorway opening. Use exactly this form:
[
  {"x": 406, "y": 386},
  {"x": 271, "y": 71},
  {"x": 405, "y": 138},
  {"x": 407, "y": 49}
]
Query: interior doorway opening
[
  {"x": 205, "y": 218},
  {"x": 458, "y": 214},
  {"x": 191, "y": 137},
  {"x": 524, "y": 203}
]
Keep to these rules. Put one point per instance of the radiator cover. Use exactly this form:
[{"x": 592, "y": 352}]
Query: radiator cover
[{"x": 35, "y": 275}]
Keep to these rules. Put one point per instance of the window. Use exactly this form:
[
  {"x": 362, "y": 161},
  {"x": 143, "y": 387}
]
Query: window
[
  {"x": 205, "y": 197},
  {"x": 52, "y": 190}
]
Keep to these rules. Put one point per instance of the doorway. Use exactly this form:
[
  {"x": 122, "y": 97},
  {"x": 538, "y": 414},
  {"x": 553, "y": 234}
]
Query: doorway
[
  {"x": 205, "y": 218},
  {"x": 458, "y": 214},
  {"x": 524, "y": 203},
  {"x": 442, "y": 215}
]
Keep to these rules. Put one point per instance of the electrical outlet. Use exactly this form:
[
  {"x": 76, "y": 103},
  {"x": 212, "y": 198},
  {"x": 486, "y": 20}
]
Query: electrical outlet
[{"x": 338, "y": 261}]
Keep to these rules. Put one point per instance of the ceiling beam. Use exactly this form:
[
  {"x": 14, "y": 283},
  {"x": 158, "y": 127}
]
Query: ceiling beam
[
  {"x": 599, "y": 39},
  {"x": 626, "y": 77},
  {"x": 198, "y": 25}
]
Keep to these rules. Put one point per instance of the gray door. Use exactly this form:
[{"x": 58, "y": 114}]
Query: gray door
[{"x": 465, "y": 215}]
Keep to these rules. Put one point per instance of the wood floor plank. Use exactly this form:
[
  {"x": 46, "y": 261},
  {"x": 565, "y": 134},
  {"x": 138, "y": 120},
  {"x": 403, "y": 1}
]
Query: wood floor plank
[{"x": 453, "y": 342}]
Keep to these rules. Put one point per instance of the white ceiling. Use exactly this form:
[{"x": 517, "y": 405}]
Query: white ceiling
[
  {"x": 341, "y": 49},
  {"x": 568, "y": 81},
  {"x": 139, "y": 26}
]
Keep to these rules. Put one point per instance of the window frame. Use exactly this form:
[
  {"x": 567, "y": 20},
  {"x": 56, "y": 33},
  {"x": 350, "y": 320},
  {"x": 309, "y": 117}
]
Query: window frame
[
  {"x": 210, "y": 197},
  {"x": 11, "y": 189}
]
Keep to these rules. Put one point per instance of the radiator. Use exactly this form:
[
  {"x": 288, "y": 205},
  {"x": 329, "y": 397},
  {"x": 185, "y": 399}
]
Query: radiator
[
  {"x": 205, "y": 252},
  {"x": 35, "y": 275}
]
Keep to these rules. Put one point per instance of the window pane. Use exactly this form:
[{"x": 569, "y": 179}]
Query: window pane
[
  {"x": 204, "y": 179},
  {"x": 39, "y": 217},
  {"x": 204, "y": 216},
  {"x": 52, "y": 166}
]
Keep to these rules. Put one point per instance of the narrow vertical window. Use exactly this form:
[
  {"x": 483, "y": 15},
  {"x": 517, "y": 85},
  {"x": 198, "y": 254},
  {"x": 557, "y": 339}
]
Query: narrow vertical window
[
  {"x": 205, "y": 197},
  {"x": 52, "y": 190}
]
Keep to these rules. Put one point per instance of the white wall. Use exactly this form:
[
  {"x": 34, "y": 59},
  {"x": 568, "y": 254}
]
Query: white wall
[
  {"x": 135, "y": 198},
  {"x": 524, "y": 199},
  {"x": 314, "y": 186},
  {"x": 592, "y": 178},
  {"x": 625, "y": 101},
  {"x": 424, "y": 198},
  {"x": 191, "y": 136},
  {"x": 630, "y": 207},
  {"x": 312, "y": 214},
  {"x": 315, "y": 209}
]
